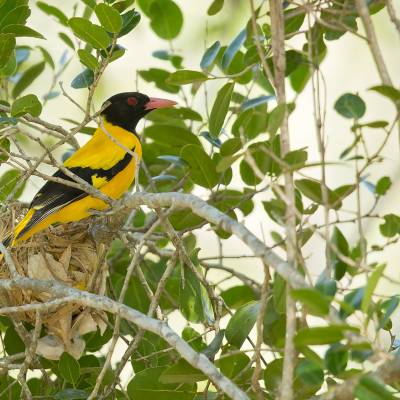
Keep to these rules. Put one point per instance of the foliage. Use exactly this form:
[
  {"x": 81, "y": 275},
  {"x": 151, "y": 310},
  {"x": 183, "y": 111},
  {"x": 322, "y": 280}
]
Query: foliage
[{"x": 226, "y": 141}]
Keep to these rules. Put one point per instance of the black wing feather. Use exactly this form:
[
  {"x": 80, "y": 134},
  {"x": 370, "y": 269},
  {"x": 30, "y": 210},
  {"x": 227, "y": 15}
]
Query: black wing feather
[{"x": 54, "y": 195}]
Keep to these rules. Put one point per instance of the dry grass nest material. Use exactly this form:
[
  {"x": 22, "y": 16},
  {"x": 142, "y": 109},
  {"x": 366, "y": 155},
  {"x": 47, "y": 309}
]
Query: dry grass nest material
[{"x": 67, "y": 254}]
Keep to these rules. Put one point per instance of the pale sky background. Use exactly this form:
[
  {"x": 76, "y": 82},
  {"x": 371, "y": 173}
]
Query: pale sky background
[{"x": 348, "y": 67}]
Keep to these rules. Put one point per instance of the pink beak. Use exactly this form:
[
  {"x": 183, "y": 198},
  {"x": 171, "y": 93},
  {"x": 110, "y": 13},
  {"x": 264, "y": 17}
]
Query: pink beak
[{"x": 154, "y": 103}]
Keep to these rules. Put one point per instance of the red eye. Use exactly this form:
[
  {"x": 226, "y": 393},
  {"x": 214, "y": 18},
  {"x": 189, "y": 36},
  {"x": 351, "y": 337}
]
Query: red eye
[{"x": 132, "y": 101}]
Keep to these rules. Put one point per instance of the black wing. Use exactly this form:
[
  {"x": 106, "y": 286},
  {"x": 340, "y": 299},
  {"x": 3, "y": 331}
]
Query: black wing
[{"x": 54, "y": 195}]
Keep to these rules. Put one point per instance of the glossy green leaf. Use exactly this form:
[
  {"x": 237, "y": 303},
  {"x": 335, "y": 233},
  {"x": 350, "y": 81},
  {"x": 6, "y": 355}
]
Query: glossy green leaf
[
  {"x": 66, "y": 39},
  {"x": 220, "y": 109},
  {"x": 210, "y": 56},
  {"x": 108, "y": 17},
  {"x": 391, "y": 226},
  {"x": 182, "y": 372},
  {"x": 202, "y": 167},
  {"x": 90, "y": 33},
  {"x": 336, "y": 358},
  {"x": 312, "y": 190},
  {"x": 383, "y": 185},
  {"x": 185, "y": 77},
  {"x": 369, "y": 388},
  {"x": 215, "y": 346},
  {"x": 28, "y": 104},
  {"x": 320, "y": 335},
  {"x": 166, "y": 18},
  {"x": 13, "y": 344},
  {"x": 215, "y": 7},
  {"x": 18, "y": 14},
  {"x": 315, "y": 302},
  {"x": 294, "y": 19},
  {"x": 310, "y": 373},
  {"x": 233, "y": 48},
  {"x": 146, "y": 385},
  {"x": 69, "y": 368},
  {"x": 388, "y": 91},
  {"x": 276, "y": 118},
  {"x": 248, "y": 104},
  {"x": 372, "y": 282},
  {"x": 350, "y": 106},
  {"x": 4, "y": 146},
  {"x": 237, "y": 296},
  {"x": 27, "y": 78},
  {"x": 53, "y": 11},
  {"x": 47, "y": 57},
  {"x": 7, "y": 45},
  {"x": 22, "y": 31},
  {"x": 87, "y": 59},
  {"x": 83, "y": 80},
  {"x": 341, "y": 245},
  {"x": 230, "y": 146},
  {"x": 10, "y": 66},
  {"x": 241, "y": 323},
  {"x": 159, "y": 77},
  {"x": 129, "y": 21}
]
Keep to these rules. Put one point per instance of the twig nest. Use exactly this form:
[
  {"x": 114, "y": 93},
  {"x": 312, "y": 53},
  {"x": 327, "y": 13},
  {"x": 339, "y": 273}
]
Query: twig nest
[{"x": 67, "y": 254}]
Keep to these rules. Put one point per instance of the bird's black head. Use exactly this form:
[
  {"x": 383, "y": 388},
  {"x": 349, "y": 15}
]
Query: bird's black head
[{"x": 126, "y": 109}]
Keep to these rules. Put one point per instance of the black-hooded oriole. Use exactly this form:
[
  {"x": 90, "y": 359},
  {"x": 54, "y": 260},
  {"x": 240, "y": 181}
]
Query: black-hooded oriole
[{"x": 104, "y": 162}]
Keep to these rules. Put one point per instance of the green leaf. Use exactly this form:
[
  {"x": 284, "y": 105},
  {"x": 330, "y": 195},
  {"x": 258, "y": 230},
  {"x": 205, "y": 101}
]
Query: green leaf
[
  {"x": 310, "y": 373},
  {"x": 336, "y": 358},
  {"x": 129, "y": 21},
  {"x": 225, "y": 162},
  {"x": 146, "y": 385},
  {"x": 312, "y": 190},
  {"x": 388, "y": 91},
  {"x": 27, "y": 78},
  {"x": 28, "y": 104},
  {"x": 369, "y": 388},
  {"x": 391, "y": 226},
  {"x": 350, "y": 106},
  {"x": 202, "y": 167},
  {"x": 339, "y": 241},
  {"x": 10, "y": 66},
  {"x": 83, "y": 80},
  {"x": 159, "y": 77},
  {"x": 320, "y": 335},
  {"x": 276, "y": 118},
  {"x": 69, "y": 368},
  {"x": 71, "y": 394},
  {"x": 13, "y": 344},
  {"x": 47, "y": 57},
  {"x": 166, "y": 18},
  {"x": 230, "y": 146},
  {"x": 210, "y": 55},
  {"x": 252, "y": 103},
  {"x": 383, "y": 185},
  {"x": 8, "y": 181},
  {"x": 316, "y": 302},
  {"x": 220, "y": 109},
  {"x": 90, "y": 33},
  {"x": 7, "y": 45},
  {"x": 372, "y": 282},
  {"x": 87, "y": 59},
  {"x": 215, "y": 346},
  {"x": 294, "y": 19},
  {"x": 18, "y": 14},
  {"x": 233, "y": 48},
  {"x": 108, "y": 17},
  {"x": 182, "y": 372},
  {"x": 215, "y": 7},
  {"x": 54, "y": 11},
  {"x": 185, "y": 77},
  {"x": 237, "y": 296},
  {"x": 66, "y": 39},
  {"x": 242, "y": 322},
  {"x": 22, "y": 31},
  {"x": 4, "y": 145},
  {"x": 123, "y": 5}
]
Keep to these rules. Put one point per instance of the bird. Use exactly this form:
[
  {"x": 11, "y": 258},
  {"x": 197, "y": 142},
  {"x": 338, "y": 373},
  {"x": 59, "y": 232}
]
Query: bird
[{"x": 108, "y": 162}]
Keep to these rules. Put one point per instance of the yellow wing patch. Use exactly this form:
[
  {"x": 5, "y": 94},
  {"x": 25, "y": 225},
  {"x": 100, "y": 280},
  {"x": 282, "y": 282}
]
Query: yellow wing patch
[{"x": 98, "y": 181}]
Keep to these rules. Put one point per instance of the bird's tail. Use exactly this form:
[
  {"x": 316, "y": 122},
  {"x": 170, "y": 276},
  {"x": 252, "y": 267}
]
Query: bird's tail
[{"x": 7, "y": 241}]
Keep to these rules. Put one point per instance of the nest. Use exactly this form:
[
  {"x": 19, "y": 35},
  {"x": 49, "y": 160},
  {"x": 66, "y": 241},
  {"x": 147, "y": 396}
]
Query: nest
[{"x": 67, "y": 254}]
